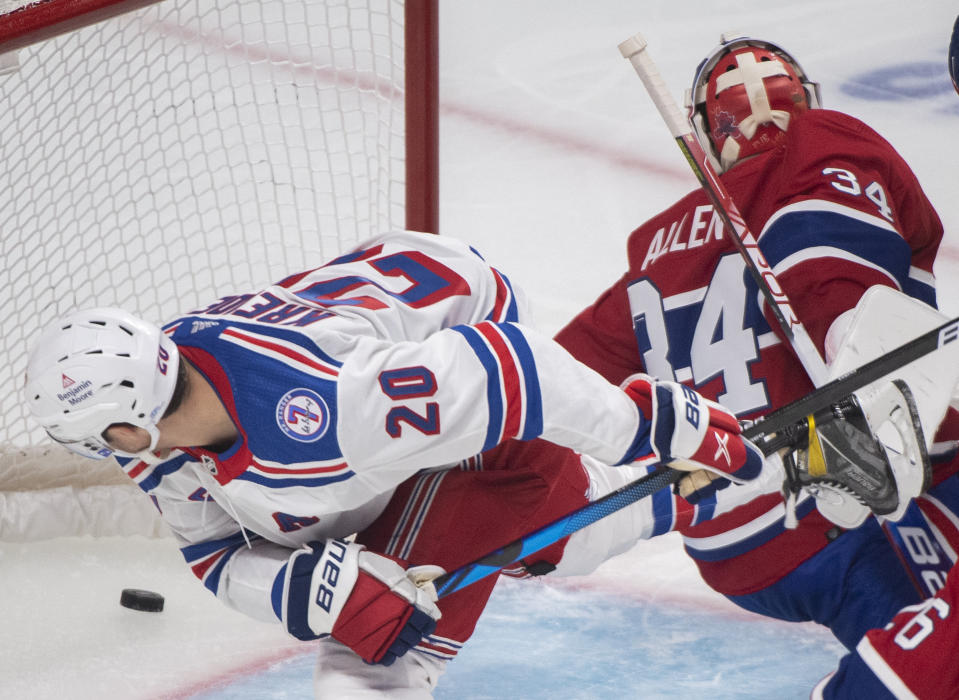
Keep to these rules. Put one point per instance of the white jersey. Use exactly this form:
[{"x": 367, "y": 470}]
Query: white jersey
[{"x": 407, "y": 354}]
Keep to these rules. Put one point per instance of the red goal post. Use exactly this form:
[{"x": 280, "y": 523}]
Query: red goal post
[{"x": 156, "y": 155}]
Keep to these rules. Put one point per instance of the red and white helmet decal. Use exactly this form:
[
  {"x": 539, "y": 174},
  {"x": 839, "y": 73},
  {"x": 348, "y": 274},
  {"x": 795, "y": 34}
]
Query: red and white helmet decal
[{"x": 744, "y": 97}]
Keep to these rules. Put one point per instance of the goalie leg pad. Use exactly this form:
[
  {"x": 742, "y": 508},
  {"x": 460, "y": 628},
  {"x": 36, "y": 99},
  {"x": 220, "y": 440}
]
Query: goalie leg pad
[{"x": 882, "y": 320}]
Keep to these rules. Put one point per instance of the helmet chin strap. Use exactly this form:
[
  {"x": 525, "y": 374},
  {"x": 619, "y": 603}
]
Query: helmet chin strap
[
  {"x": 147, "y": 454},
  {"x": 148, "y": 457}
]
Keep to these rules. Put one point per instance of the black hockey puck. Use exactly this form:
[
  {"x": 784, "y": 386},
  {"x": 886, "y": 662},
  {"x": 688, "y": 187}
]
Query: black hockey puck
[{"x": 138, "y": 599}]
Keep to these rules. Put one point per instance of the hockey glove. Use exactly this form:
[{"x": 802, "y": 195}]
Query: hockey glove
[
  {"x": 363, "y": 600},
  {"x": 690, "y": 433},
  {"x": 866, "y": 454}
]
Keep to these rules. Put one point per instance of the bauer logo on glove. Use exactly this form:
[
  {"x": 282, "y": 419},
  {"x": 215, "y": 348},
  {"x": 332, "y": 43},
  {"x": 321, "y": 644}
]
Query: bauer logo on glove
[
  {"x": 362, "y": 599},
  {"x": 708, "y": 437}
]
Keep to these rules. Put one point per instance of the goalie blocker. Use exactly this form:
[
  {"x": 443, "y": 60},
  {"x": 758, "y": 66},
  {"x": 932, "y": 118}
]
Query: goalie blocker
[
  {"x": 865, "y": 454},
  {"x": 887, "y": 426}
]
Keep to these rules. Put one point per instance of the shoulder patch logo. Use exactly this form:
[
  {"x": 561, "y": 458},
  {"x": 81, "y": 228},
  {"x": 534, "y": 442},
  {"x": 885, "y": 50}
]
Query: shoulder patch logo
[{"x": 303, "y": 415}]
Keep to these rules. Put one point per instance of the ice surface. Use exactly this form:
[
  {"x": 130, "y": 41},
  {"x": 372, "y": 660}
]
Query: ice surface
[
  {"x": 551, "y": 154},
  {"x": 642, "y": 626}
]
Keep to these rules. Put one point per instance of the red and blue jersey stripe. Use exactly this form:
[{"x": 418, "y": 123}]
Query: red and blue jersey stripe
[
  {"x": 275, "y": 475},
  {"x": 289, "y": 353},
  {"x": 208, "y": 559},
  {"x": 149, "y": 476},
  {"x": 513, "y": 394},
  {"x": 505, "y": 308}
]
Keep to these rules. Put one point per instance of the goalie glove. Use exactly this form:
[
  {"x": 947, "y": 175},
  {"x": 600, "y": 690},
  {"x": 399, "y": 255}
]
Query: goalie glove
[
  {"x": 688, "y": 432},
  {"x": 867, "y": 454},
  {"x": 366, "y": 601}
]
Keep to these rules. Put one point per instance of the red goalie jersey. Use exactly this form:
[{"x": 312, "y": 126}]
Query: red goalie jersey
[{"x": 837, "y": 211}]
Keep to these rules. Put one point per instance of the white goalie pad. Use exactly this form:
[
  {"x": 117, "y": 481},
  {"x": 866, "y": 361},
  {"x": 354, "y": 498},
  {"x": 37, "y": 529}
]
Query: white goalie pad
[{"x": 883, "y": 320}]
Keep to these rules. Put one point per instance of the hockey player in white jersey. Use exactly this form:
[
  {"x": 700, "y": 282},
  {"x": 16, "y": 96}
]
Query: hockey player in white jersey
[{"x": 394, "y": 393}]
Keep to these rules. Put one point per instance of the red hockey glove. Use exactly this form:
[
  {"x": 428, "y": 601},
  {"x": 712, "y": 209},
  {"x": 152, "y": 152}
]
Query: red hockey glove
[
  {"x": 688, "y": 432},
  {"x": 363, "y": 600}
]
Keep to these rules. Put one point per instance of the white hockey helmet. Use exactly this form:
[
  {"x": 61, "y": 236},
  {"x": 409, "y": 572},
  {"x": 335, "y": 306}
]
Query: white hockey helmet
[
  {"x": 743, "y": 97},
  {"x": 95, "y": 368}
]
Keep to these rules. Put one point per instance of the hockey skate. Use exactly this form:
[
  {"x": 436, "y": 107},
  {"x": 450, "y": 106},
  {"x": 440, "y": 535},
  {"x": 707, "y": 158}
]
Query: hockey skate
[{"x": 865, "y": 454}]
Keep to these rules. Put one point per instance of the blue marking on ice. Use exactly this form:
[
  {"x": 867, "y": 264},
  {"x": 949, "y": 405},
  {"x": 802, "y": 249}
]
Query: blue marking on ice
[{"x": 540, "y": 641}]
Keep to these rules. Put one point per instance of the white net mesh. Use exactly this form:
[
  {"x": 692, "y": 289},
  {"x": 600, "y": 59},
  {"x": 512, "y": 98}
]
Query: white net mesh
[{"x": 183, "y": 152}]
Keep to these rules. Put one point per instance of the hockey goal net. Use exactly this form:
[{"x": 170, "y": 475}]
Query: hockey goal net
[{"x": 156, "y": 155}]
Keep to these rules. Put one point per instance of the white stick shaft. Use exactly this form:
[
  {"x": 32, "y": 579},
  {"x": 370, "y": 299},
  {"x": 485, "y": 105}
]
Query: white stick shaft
[{"x": 633, "y": 49}]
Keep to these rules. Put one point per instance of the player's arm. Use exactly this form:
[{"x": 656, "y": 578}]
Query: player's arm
[
  {"x": 237, "y": 567},
  {"x": 363, "y": 599},
  {"x": 466, "y": 389},
  {"x": 367, "y": 601}
]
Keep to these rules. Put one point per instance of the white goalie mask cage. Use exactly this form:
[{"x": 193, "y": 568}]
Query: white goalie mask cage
[{"x": 95, "y": 368}]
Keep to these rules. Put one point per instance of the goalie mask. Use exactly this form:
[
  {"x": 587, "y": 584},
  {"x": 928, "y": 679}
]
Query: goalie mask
[
  {"x": 96, "y": 368},
  {"x": 743, "y": 97}
]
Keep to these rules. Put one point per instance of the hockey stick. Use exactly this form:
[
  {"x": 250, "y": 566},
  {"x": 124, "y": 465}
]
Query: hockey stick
[
  {"x": 765, "y": 433},
  {"x": 855, "y": 379},
  {"x": 556, "y": 530},
  {"x": 634, "y": 50}
]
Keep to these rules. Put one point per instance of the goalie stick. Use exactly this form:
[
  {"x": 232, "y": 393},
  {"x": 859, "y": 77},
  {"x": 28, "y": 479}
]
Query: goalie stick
[
  {"x": 634, "y": 50},
  {"x": 768, "y": 433},
  {"x": 855, "y": 379}
]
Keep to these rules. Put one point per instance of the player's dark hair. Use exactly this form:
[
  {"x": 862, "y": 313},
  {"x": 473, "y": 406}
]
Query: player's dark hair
[{"x": 180, "y": 390}]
